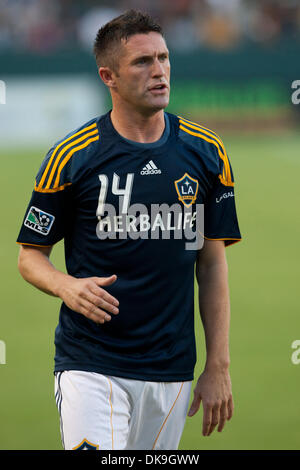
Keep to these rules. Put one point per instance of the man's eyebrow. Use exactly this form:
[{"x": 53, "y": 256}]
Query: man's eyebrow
[
  {"x": 144, "y": 56},
  {"x": 149, "y": 56}
]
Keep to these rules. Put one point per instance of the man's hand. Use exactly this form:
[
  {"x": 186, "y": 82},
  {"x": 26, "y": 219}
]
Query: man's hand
[
  {"x": 83, "y": 295},
  {"x": 214, "y": 390},
  {"x": 214, "y": 385},
  {"x": 87, "y": 297}
]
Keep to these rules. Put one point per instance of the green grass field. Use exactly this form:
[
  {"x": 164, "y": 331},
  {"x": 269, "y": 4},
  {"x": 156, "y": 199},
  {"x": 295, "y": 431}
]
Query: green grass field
[{"x": 264, "y": 283}]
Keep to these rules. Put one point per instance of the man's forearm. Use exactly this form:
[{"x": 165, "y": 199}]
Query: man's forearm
[
  {"x": 36, "y": 268},
  {"x": 214, "y": 308}
]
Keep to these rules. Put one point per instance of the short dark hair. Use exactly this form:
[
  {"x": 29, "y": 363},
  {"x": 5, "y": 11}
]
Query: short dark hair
[{"x": 109, "y": 37}]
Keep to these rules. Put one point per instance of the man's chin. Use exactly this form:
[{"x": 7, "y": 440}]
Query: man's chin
[{"x": 157, "y": 105}]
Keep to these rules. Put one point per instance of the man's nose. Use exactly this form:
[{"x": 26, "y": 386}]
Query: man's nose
[{"x": 158, "y": 68}]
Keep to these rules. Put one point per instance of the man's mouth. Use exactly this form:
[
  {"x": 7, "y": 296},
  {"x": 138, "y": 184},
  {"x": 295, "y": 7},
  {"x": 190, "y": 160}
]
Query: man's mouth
[{"x": 159, "y": 87}]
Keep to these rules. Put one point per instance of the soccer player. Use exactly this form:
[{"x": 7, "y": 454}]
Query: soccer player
[{"x": 124, "y": 191}]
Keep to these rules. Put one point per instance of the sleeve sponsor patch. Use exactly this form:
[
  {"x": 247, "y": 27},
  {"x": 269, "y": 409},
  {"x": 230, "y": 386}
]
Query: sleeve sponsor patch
[
  {"x": 224, "y": 196},
  {"x": 39, "y": 221}
]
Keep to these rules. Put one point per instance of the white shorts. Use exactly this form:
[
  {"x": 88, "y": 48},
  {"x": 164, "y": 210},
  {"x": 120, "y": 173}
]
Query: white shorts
[{"x": 112, "y": 413}]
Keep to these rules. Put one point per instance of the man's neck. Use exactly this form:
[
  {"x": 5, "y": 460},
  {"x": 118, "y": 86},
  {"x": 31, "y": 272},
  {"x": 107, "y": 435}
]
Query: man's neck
[{"x": 137, "y": 127}]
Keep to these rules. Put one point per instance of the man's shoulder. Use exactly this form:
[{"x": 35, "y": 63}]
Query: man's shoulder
[
  {"x": 207, "y": 144},
  {"x": 198, "y": 135},
  {"x": 56, "y": 169}
]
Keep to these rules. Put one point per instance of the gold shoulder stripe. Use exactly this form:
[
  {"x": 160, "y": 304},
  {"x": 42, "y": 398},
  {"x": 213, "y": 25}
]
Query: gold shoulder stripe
[
  {"x": 215, "y": 136},
  {"x": 205, "y": 131},
  {"x": 44, "y": 175},
  {"x": 54, "y": 190},
  {"x": 224, "y": 181},
  {"x": 209, "y": 133},
  {"x": 186, "y": 121},
  {"x": 69, "y": 155},
  {"x": 63, "y": 151},
  {"x": 226, "y": 177}
]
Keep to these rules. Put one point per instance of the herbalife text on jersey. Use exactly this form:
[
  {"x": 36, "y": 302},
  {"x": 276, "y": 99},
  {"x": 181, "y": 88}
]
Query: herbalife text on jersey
[{"x": 161, "y": 221}]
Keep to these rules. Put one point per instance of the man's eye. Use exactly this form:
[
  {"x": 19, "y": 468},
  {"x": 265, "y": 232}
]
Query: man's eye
[{"x": 141, "y": 61}]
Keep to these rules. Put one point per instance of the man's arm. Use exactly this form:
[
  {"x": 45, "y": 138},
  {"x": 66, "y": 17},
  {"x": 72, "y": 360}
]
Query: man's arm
[
  {"x": 84, "y": 296},
  {"x": 214, "y": 385}
]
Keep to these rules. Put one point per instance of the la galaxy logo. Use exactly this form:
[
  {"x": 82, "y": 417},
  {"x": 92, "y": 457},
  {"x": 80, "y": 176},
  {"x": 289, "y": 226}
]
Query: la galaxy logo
[
  {"x": 187, "y": 189},
  {"x": 86, "y": 445},
  {"x": 39, "y": 221}
]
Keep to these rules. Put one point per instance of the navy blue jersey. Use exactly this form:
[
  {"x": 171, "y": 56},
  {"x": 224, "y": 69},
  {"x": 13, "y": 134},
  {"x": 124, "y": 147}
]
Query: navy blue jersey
[{"x": 104, "y": 195}]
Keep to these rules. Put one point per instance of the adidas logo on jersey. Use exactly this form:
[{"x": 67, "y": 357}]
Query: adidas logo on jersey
[{"x": 150, "y": 169}]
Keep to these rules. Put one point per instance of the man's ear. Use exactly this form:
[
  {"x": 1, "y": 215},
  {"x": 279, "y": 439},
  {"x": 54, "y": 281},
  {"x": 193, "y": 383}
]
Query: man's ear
[{"x": 107, "y": 76}]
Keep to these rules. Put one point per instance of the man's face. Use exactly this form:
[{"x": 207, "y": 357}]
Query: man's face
[{"x": 143, "y": 78}]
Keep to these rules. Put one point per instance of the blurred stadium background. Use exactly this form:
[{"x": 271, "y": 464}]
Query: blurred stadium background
[{"x": 233, "y": 64}]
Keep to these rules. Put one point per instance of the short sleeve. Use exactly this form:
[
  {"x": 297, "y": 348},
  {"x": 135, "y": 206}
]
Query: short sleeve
[
  {"x": 220, "y": 215},
  {"x": 47, "y": 215}
]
